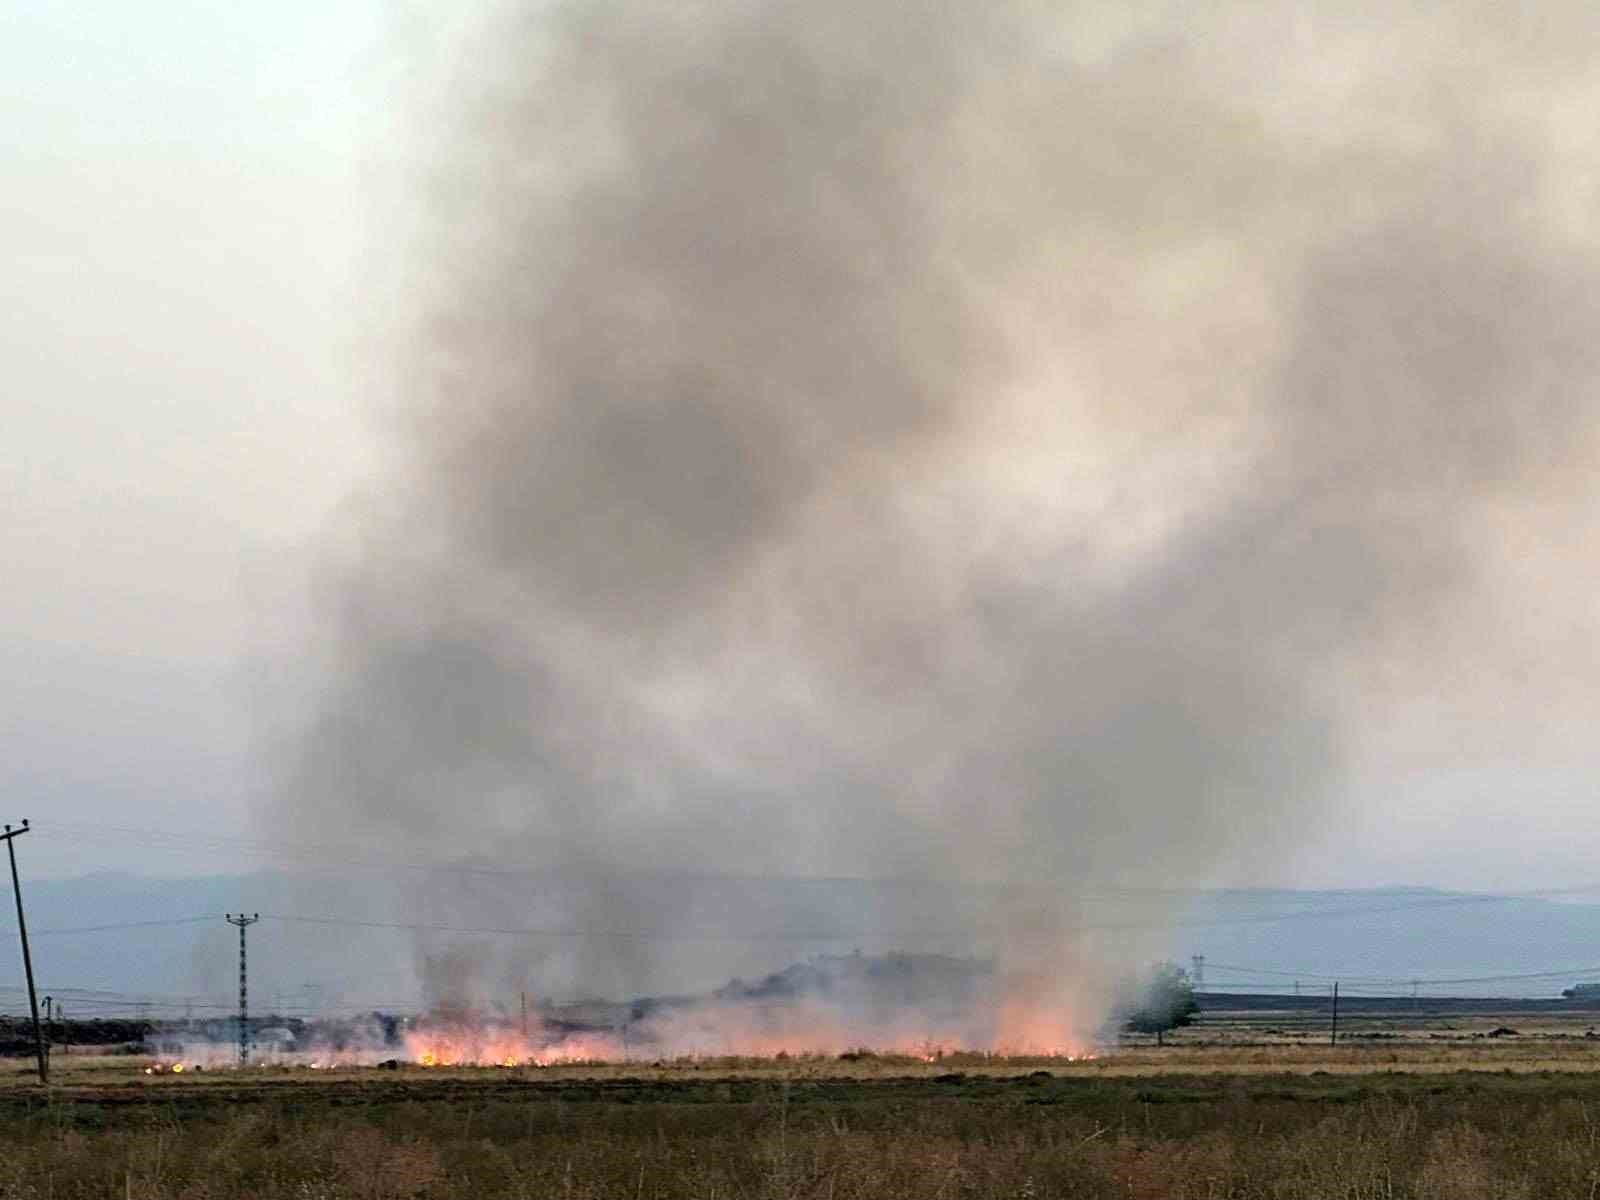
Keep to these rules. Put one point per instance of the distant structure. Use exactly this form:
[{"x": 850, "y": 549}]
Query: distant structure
[{"x": 243, "y": 922}]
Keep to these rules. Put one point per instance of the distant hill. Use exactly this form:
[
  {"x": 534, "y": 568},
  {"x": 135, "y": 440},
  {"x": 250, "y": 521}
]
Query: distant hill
[{"x": 170, "y": 948}]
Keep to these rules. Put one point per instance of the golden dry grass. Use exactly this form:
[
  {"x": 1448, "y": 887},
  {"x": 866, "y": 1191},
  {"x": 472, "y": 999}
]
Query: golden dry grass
[
  {"x": 1562, "y": 1053},
  {"x": 1413, "y": 1118},
  {"x": 1430, "y": 1121},
  {"x": 1245, "y": 1137}
]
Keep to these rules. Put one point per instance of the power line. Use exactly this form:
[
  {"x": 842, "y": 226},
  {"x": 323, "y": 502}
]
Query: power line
[
  {"x": 1292, "y": 974},
  {"x": 616, "y": 934},
  {"x": 809, "y": 935},
  {"x": 1313, "y": 914},
  {"x": 119, "y": 925},
  {"x": 1408, "y": 980},
  {"x": 818, "y": 936},
  {"x": 124, "y": 925},
  {"x": 904, "y": 935},
  {"x": 333, "y": 854}
]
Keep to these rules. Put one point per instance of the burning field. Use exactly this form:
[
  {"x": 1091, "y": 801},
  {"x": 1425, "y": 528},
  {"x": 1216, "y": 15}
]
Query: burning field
[
  {"x": 899, "y": 474},
  {"x": 1030, "y": 452},
  {"x": 916, "y": 1007},
  {"x": 904, "y": 1007}
]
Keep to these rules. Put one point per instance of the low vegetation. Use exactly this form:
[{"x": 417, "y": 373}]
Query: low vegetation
[{"x": 955, "y": 1133}]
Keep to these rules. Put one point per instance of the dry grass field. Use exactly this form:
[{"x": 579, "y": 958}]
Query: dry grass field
[{"x": 1456, "y": 1118}]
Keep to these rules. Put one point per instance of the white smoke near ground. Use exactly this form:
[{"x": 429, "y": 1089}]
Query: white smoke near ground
[
  {"x": 993, "y": 443},
  {"x": 324, "y": 1042}
]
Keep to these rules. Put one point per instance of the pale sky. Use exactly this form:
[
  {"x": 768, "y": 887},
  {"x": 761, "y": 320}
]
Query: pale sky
[
  {"x": 203, "y": 221},
  {"x": 187, "y": 224}
]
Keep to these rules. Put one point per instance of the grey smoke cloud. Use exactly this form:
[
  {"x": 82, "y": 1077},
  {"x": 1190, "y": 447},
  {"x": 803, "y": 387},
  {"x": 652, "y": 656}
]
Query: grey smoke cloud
[{"x": 978, "y": 442}]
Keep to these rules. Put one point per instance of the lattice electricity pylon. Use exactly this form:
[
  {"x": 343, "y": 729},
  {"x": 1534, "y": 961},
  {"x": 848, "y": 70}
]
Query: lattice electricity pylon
[{"x": 243, "y": 922}]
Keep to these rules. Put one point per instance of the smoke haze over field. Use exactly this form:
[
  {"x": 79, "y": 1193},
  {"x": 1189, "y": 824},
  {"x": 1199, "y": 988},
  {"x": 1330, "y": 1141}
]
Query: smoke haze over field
[{"x": 1005, "y": 443}]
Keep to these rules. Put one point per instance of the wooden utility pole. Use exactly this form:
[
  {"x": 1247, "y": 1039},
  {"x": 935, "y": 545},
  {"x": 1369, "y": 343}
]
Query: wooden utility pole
[
  {"x": 1333, "y": 1029},
  {"x": 9, "y": 837}
]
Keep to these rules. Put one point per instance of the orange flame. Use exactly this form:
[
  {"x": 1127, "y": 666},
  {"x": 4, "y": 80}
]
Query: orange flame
[{"x": 1029, "y": 1021}]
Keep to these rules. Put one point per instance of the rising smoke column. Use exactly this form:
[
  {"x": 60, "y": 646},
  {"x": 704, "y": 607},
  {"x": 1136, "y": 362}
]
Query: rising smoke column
[{"x": 982, "y": 442}]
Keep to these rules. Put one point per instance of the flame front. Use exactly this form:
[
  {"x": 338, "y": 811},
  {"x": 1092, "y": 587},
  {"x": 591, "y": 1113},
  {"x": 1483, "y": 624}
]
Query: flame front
[
  {"x": 465, "y": 1045},
  {"x": 921, "y": 1009},
  {"x": 1024, "y": 1025}
]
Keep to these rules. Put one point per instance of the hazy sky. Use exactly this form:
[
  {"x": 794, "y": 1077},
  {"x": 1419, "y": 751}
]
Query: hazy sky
[
  {"x": 187, "y": 200},
  {"x": 204, "y": 217}
]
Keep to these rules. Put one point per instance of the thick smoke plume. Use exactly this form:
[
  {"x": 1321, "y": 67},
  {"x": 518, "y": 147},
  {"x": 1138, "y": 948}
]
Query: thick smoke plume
[{"x": 993, "y": 443}]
